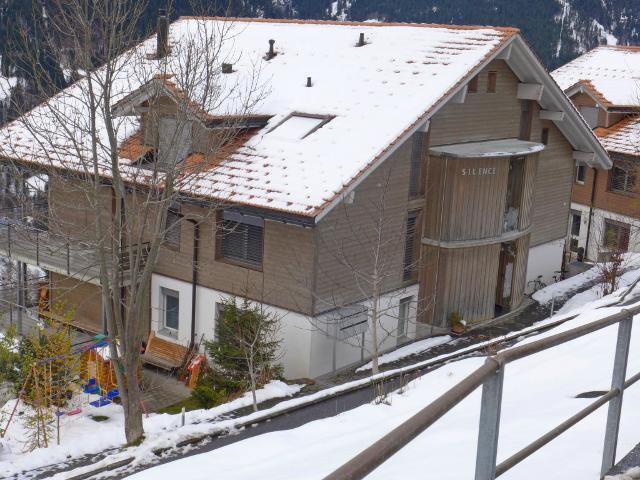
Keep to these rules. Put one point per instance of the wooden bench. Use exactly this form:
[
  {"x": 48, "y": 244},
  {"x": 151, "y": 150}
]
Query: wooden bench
[{"x": 163, "y": 353}]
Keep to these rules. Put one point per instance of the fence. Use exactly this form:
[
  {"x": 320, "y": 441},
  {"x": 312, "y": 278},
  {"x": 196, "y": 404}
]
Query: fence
[
  {"x": 491, "y": 377},
  {"x": 57, "y": 253}
]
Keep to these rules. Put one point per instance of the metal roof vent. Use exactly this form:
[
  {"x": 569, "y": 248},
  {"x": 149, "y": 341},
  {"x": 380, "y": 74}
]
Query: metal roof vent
[
  {"x": 361, "y": 42},
  {"x": 271, "y": 53}
]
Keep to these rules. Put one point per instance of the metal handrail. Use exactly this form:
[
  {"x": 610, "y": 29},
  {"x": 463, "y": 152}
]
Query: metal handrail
[{"x": 491, "y": 376}]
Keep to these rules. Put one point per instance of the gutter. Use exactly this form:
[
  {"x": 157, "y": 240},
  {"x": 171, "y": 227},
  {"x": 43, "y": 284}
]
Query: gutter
[{"x": 194, "y": 281}]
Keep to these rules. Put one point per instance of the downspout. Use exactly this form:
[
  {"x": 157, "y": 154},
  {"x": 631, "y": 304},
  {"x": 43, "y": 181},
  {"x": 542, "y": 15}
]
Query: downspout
[
  {"x": 194, "y": 281},
  {"x": 591, "y": 203}
]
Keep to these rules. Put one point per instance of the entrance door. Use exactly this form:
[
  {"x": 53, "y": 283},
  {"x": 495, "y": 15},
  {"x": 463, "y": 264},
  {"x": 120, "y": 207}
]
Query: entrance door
[{"x": 505, "y": 276}]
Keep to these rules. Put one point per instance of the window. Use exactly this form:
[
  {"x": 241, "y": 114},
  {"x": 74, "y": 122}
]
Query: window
[
  {"x": 170, "y": 310},
  {"x": 415, "y": 179},
  {"x": 616, "y": 236},
  {"x": 526, "y": 119},
  {"x": 298, "y": 126},
  {"x": 622, "y": 179},
  {"x": 410, "y": 247},
  {"x": 576, "y": 221},
  {"x": 472, "y": 87},
  {"x": 581, "y": 172},
  {"x": 492, "y": 82},
  {"x": 515, "y": 185},
  {"x": 240, "y": 238},
  {"x": 172, "y": 228},
  {"x": 544, "y": 136},
  {"x": 403, "y": 315}
]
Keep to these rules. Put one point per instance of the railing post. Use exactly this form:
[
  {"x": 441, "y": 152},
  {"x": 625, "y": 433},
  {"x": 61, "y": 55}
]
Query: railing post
[
  {"x": 37, "y": 248},
  {"x": 491, "y": 404},
  {"x": 68, "y": 260},
  {"x": 9, "y": 240},
  {"x": 615, "y": 404}
]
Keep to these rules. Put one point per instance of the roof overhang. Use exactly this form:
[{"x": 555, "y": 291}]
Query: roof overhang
[{"x": 508, "y": 147}]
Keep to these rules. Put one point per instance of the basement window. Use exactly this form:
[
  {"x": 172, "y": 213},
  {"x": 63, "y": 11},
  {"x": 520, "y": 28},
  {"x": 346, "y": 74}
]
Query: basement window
[
  {"x": 298, "y": 126},
  {"x": 240, "y": 239}
]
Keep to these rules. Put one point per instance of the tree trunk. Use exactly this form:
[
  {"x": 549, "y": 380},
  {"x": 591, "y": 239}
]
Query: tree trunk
[
  {"x": 132, "y": 406},
  {"x": 252, "y": 377},
  {"x": 374, "y": 325}
]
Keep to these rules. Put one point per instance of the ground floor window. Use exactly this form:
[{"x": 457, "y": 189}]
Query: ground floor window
[
  {"x": 403, "y": 316},
  {"x": 170, "y": 310},
  {"x": 576, "y": 222},
  {"x": 616, "y": 236}
]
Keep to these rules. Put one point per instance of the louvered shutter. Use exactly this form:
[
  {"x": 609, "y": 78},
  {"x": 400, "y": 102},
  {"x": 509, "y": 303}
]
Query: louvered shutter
[{"x": 410, "y": 247}]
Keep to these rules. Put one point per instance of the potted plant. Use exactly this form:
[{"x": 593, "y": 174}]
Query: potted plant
[{"x": 458, "y": 324}]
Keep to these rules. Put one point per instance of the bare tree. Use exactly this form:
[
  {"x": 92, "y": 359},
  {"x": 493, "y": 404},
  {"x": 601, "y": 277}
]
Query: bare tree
[
  {"x": 136, "y": 134},
  {"x": 375, "y": 241}
]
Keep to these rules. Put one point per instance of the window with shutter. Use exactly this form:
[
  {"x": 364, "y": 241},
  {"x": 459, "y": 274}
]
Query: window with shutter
[
  {"x": 409, "y": 270},
  {"x": 415, "y": 180},
  {"x": 616, "y": 236},
  {"x": 172, "y": 229},
  {"x": 241, "y": 239},
  {"x": 622, "y": 179}
]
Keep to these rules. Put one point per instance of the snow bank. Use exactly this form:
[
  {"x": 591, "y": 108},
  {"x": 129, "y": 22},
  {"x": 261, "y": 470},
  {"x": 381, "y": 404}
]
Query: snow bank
[
  {"x": 631, "y": 474},
  {"x": 569, "y": 286},
  {"x": 539, "y": 393},
  {"x": 408, "y": 350},
  {"x": 81, "y": 435}
]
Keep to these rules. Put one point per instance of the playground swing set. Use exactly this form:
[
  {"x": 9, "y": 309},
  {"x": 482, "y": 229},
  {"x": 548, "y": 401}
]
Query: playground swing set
[{"x": 50, "y": 387}]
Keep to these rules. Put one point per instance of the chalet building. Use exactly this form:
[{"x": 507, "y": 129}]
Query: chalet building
[
  {"x": 604, "y": 84},
  {"x": 412, "y": 170}
]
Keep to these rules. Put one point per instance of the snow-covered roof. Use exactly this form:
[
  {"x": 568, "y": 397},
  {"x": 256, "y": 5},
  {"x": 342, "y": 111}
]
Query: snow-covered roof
[
  {"x": 371, "y": 94},
  {"x": 611, "y": 74},
  {"x": 623, "y": 137}
]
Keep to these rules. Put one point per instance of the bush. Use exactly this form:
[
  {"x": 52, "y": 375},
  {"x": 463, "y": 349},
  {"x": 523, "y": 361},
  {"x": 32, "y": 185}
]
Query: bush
[{"x": 207, "y": 397}]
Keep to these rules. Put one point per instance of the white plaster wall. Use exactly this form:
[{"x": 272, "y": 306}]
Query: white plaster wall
[
  {"x": 325, "y": 347},
  {"x": 295, "y": 331},
  {"x": 545, "y": 260}
]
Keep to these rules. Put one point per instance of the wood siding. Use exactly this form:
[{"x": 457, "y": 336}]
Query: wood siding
[
  {"x": 483, "y": 116},
  {"x": 460, "y": 280},
  {"x": 554, "y": 178},
  {"x": 468, "y": 207},
  {"x": 285, "y": 279},
  {"x": 347, "y": 236},
  {"x": 82, "y": 297},
  {"x": 518, "y": 285}
]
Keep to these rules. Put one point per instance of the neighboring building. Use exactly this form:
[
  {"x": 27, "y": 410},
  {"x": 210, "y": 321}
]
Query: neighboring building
[
  {"x": 456, "y": 138},
  {"x": 604, "y": 84}
]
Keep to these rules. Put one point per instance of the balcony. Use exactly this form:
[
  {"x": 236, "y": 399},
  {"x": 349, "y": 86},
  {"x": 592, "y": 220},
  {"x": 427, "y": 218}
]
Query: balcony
[{"x": 58, "y": 253}]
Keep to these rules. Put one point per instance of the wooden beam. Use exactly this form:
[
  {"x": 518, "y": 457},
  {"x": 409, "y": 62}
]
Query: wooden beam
[
  {"x": 551, "y": 115},
  {"x": 584, "y": 157},
  {"x": 530, "y": 91}
]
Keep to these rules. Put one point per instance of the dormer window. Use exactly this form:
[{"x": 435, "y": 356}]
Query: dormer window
[{"x": 298, "y": 126}]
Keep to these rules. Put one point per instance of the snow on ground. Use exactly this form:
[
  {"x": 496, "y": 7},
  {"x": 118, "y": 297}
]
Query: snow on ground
[
  {"x": 539, "y": 393},
  {"x": 81, "y": 435},
  {"x": 631, "y": 474},
  {"x": 408, "y": 350},
  {"x": 569, "y": 286}
]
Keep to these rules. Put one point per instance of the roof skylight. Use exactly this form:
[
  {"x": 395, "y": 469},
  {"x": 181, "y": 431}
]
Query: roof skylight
[{"x": 296, "y": 126}]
